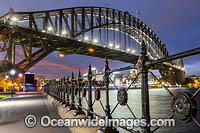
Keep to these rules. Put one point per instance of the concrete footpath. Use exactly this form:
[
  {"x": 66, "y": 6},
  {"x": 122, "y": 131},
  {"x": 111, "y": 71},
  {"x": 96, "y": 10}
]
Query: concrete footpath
[{"x": 13, "y": 111}]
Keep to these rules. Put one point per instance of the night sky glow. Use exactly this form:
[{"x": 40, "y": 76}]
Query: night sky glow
[{"x": 176, "y": 22}]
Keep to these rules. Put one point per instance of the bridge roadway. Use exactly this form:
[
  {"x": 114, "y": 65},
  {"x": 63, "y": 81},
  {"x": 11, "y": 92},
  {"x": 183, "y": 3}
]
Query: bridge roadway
[
  {"x": 14, "y": 110},
  {"x": 69, "y": 45}
]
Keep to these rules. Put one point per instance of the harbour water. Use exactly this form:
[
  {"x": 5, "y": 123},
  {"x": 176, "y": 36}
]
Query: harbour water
[{"x": 160, "y": 107}]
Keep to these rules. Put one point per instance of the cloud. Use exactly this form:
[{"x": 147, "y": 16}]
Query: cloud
[
  {"x": 52, "y": 69},
  {"x": 52, "y": 66}
]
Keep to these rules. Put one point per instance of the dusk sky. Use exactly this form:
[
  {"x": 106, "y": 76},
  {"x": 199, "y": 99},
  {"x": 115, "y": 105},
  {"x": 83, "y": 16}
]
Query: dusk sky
[{"x": 176, "y": 22}]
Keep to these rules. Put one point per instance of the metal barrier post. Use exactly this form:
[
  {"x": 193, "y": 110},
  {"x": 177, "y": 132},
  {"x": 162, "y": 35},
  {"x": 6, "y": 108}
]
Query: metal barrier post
[
  {"x": 79, "y": 110},
  {"x": 108, "y": 128},
  {"x": 67, "y": 91},
  {"x": 90, "y": 108},
  {"x": 60, "y": 90},
  {"x": 57, "y": 94},
  {"x": 72, "y": 107},
  {"x": 64, "y": 92},
  {"x": 145, "y": 89}
]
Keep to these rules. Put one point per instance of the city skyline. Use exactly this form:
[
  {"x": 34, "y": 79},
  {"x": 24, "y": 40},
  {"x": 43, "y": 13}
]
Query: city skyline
[{"x": 175, "y": 22}]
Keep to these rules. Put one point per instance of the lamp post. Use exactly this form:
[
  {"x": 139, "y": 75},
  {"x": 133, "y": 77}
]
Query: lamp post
[
  {"x": 7, "y": 77},
  {"x": 20, "y": 75},
  {"x": 12, "y": 73}
]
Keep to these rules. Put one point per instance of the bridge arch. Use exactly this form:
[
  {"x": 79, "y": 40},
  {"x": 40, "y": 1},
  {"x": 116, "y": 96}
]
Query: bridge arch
[
  {"x": 79, "y": 20},
  {"x": 75, "y": 23}
]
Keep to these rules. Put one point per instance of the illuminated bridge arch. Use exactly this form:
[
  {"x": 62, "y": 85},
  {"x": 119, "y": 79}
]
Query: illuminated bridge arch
[{"x": 104, "y": 28}]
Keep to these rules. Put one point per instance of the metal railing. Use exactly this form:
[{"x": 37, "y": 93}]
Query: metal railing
[{"x": 67, "y": 89}]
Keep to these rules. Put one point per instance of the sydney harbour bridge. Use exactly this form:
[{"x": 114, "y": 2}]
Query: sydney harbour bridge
[
  {"x": 99, "y": 32},
  {"x": 92, "y": 31}
]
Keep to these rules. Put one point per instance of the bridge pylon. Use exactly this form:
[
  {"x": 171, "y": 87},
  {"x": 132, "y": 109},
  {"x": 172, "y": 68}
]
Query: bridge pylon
[{"x": 180, "y": 75}]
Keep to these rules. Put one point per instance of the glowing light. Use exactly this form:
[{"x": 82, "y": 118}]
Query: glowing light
[
  {"x": 183, "y": 69},
  {"x": 93, "y": 68},
  {"x": 14, "y": 19},
  {"x": 91, "y": 50},
  {"x": 110, "y": 44},
  {"x": 117, "y": 46},
  {"x": 149, "y": 69},
  {"x": 128, "y": 49},
  {"x": 86, "y": 38},
  {"x": 12, "y": 72},
  {"x": 61, "y": 55},
  {"x": 95, "y": 40},
  {"x": 7, "y": 77},
  {"x": 64, "y": 32},
  {"x": 166, "y": 85},
  {"x": 20, "y": 75},
  {"x": 104, "y": 46},
  {"x": 133, "y": 51},
  {"x": 36, "y": 78},
  {"x": 50, "y": 28},
  {"x": 43, "y": 31},
  {"x": 170, "y": 68}
]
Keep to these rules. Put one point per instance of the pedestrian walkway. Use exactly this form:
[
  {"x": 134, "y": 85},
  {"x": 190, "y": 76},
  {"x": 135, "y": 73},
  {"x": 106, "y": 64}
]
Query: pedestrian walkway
[{"x": 13, "y": 111}]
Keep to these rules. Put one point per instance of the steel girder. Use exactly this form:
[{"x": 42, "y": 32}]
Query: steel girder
[{"x": 77, "y": 21}]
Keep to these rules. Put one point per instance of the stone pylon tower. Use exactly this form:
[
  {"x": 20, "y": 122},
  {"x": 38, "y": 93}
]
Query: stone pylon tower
[{"x": 180, "y": 75}]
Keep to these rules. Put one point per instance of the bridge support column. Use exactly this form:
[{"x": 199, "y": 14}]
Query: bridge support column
[
  {"x": 145, "y": 89},
  {"x": 11, "y": 51}
]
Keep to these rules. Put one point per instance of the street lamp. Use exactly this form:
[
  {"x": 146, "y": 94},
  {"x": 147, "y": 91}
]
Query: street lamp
[
  {"x": 20, "y": 75},
  {"x": 12, "y": 73},
  {"x": 7, "y": 77}
]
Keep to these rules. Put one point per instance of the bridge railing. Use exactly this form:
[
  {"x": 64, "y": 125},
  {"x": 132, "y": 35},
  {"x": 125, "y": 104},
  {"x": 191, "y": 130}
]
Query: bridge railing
[{"x": 73, "y": 91}]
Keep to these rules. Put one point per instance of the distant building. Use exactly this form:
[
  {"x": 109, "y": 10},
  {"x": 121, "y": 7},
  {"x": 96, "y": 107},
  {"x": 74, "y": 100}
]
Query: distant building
[{"x": 194, "y": 77}]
